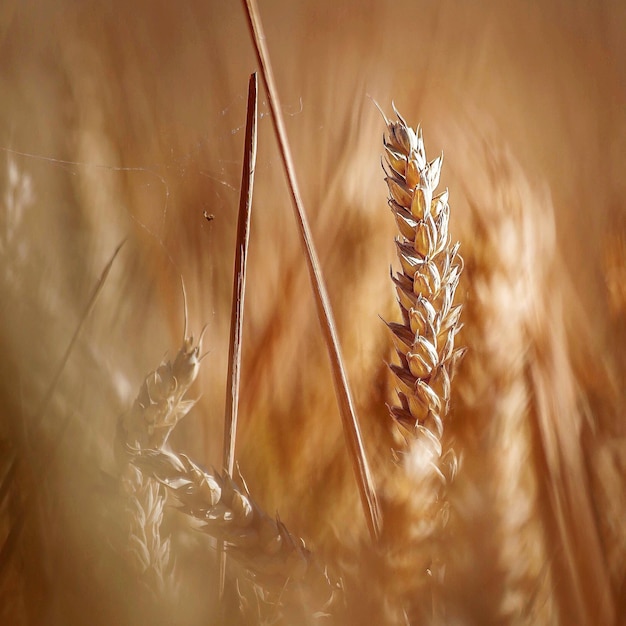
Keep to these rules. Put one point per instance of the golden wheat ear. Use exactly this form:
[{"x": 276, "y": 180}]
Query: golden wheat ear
[
  {"x": 415, "y": 499},
  {"x": 426, "y": 284}
]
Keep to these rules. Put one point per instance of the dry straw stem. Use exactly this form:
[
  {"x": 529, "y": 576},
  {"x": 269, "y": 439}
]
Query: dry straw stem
[
  {"x": 350, "y": 423},
  {"x": 68, "y": 351},
  {"x": 239, "y": 292},
  {"x": 224, "y": 510},
  {"x": 239, "y": 279}
]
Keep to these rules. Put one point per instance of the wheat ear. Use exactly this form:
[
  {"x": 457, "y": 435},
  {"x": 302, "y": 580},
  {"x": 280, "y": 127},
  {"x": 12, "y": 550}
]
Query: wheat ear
[
  {"x": 501, "y": 540},
  {"x": 219, "y": 507},
  {"x": 424, "y": 341},
  {"x": 158, "y": 407},
  {"x": 160, "y": 403},
  {"x": 426, "y": 286}
]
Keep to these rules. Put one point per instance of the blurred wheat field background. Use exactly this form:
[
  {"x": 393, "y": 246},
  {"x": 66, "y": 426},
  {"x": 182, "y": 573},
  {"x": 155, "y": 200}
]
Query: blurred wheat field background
[{"x": 125, "y": 121}]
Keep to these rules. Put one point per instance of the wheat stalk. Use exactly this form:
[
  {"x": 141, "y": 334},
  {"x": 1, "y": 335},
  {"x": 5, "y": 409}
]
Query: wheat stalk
[{"x": 238, "y": 297}]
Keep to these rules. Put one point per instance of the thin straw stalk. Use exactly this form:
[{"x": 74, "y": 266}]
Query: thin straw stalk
[
  {"x": 350, "y": 423},
  {"x": 239, "y": 282},
  {"x": 239, "y": 290}
]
